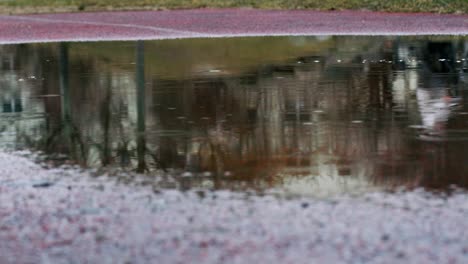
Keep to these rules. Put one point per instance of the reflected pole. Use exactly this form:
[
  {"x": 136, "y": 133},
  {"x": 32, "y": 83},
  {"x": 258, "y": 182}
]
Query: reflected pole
[
  {"x": 141, "y": 126},
  {"x": 64, "y": 82},
  {"x": 65, "y": 95},
  {"x": 106, "y": 122}
]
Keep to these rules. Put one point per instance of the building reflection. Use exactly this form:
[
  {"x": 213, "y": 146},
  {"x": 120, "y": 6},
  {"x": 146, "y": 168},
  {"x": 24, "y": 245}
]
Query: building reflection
[{"x": 364, "y": 113}]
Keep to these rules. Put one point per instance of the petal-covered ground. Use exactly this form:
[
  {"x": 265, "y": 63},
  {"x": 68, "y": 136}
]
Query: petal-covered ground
[
  {"x": 220, "y": 23},
  {"x": 68, "y": 216}
]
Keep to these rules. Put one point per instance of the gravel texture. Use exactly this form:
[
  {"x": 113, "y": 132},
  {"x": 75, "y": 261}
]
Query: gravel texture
[
  {"x": 67, "y": 216},
  {"x": 94, "y": 26}
]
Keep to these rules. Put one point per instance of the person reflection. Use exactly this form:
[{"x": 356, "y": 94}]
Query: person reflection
[
  {"x": 434, "y": 95},
  {"x": 435, "y": 105},
  {"x": 439, "y": 149}
]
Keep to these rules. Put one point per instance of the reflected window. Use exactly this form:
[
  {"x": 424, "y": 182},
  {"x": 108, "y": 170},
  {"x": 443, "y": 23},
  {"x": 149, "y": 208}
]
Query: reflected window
[{"x": 13, "y": 106}]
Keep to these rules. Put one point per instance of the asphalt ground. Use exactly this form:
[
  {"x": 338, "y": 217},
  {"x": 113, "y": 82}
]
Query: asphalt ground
[
  {"x": 107, "y": 26},
  {"x": 67, "y": 215}
]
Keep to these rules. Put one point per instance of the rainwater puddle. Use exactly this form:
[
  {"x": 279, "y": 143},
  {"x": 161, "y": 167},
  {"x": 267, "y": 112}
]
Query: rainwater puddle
[{"x": 303, "y": 115}]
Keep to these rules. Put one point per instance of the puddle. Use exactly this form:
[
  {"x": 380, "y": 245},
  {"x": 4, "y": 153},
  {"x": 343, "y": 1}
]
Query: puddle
[{"x": 302, "y": 115}]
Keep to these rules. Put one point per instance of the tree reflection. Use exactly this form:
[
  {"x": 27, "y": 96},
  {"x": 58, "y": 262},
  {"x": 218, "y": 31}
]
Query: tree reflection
[
  {"x": 141, "y": 127},
  {"x": 72, "y": 144},
  {"x": 378, "y": 111}
]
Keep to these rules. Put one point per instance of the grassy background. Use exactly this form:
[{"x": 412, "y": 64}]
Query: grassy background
[
  {"x": 35, "y": 6},
  {"x": 180, "y": 59}
]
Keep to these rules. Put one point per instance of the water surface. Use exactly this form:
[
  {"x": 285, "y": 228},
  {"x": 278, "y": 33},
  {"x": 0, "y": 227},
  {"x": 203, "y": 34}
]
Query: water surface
[{"x": 305, "y": 115}]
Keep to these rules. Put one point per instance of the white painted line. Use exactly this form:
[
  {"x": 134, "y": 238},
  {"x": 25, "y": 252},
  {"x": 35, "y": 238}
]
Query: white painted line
[{"x": 95, "y": 23}]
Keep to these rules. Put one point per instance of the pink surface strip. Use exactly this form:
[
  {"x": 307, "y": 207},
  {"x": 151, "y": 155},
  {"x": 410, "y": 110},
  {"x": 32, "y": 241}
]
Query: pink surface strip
[{"x": 105, "y": 26}]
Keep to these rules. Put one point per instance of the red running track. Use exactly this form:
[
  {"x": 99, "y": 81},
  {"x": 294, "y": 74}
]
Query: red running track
[{"x": 220, "y": 23}]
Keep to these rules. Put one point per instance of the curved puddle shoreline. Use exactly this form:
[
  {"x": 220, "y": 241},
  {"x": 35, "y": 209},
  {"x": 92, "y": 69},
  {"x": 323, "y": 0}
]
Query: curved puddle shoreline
[
  {"x": 58, "y": 216},
  {"x": 146, "y": 25}
]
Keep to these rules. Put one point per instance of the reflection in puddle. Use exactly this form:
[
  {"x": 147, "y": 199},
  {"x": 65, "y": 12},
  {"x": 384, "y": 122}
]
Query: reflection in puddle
[{"x": 315, "y": 116}]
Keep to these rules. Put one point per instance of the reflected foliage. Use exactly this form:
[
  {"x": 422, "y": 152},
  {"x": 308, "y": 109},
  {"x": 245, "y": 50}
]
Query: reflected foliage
[{"x": 351, "y": 113}]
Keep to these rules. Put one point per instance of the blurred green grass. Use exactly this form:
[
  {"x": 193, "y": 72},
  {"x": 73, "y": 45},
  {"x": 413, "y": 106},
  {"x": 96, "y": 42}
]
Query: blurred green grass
[{"x": 35, "y": 6}]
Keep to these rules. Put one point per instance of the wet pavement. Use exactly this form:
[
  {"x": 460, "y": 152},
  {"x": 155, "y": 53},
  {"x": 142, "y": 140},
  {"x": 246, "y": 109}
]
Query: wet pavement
[
  {"x": 220, "y": 23},
  {"x": 67, "y": 216}
]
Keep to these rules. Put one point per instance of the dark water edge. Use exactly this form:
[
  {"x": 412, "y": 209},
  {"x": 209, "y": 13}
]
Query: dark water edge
[{"x": 304, "y": 115}]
